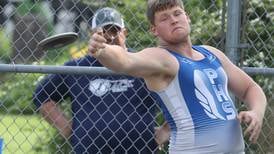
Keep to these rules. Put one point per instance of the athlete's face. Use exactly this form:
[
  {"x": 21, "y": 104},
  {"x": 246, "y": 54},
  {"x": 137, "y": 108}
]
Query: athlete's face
[{"x": 171, "y": 25}]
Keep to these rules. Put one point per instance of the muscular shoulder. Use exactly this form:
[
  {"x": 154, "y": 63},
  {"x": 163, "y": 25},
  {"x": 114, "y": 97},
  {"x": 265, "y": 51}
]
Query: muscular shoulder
[
  {"x": 218, "y": 53},
  {"x": 154, "y": 51},
  {"x": 159, "y": 54},
  {"x": 226, "y": 63},
  {"x": 163, "y": 67},
  {"x": 214, "y": 50}
]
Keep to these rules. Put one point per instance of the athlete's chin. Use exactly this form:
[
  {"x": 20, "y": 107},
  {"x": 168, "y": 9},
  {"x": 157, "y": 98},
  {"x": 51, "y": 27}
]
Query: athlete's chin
[
  {"x": 180, "y": 34},
  {"x": 179, "y": 39}
]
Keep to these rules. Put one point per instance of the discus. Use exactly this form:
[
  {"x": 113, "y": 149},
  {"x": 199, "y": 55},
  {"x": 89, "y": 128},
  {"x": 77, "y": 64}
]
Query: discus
[{"x": 58, "y": 41}]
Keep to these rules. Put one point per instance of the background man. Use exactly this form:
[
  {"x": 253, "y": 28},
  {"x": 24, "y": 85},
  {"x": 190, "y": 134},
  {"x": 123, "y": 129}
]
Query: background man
[{"x": 111, "y": 114}]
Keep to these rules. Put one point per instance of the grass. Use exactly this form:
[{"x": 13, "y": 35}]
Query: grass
[{"x": 24, "y": 134}]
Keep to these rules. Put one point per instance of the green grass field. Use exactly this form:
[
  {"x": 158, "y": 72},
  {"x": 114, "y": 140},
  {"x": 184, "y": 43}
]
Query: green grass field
[{"x": 24, "y": 134}]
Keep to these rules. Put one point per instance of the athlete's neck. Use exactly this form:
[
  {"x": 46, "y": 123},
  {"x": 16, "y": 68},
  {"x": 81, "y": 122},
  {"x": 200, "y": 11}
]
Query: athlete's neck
[{"x": 183, "y": 48}]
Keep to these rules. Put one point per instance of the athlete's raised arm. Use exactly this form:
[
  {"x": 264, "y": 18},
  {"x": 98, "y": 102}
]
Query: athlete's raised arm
[{"x": 146, "y": 63}]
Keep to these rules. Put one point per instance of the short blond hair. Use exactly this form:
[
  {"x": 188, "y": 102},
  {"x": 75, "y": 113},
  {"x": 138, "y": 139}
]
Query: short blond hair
[{"x": 154, "y": 6}]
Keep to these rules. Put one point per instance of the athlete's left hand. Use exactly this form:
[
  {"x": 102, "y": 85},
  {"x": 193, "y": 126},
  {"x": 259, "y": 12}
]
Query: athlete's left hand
[{"x": 254, "y": 122}]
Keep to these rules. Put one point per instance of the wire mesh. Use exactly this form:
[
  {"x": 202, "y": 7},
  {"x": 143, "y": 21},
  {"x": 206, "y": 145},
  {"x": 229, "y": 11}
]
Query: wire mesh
[{"x": 23, "y": 23}]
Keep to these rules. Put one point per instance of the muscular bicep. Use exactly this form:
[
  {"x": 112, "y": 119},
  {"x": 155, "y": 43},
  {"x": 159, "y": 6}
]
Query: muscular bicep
[
  {"x": 148, "y": 62},
  {"x": 238, "y": 80}
]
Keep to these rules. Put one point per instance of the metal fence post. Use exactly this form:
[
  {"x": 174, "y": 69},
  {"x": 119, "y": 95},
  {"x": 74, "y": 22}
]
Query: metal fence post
[{"x": 233, "y": 30}]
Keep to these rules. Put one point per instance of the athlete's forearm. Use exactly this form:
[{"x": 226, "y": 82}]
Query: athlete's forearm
[
  {"x": 256, "y": 99},
  {"x": 53, "y": 115}
]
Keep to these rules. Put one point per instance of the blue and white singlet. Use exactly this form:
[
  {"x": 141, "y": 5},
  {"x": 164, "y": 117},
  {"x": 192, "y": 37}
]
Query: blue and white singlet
[{"x": 199, "y": 110}]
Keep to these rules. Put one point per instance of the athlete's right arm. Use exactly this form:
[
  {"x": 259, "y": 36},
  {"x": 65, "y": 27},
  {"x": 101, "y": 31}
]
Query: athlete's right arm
[
  {"x": 146, "y": 63},
  {"x": 54, "y": 116}
]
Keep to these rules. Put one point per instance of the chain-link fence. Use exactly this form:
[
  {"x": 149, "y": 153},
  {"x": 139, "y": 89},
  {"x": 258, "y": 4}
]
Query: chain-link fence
[
  {"x": 244, "y": 29},
  {"x": 257, "y": 35}
]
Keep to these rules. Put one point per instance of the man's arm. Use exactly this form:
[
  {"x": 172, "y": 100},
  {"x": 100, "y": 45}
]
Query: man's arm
[
  {"x": 162, "y": 134},
  {"x": 53, "y": 114},
  {"x": 145, "y": 63},
  {"x": 248, "y": 91}
]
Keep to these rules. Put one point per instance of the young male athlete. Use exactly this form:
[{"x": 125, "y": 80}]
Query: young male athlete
[{"x": 191, "y": 82}]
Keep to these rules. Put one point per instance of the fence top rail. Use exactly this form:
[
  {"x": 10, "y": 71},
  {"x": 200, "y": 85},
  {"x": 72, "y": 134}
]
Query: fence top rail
[
  {"x": 259, "y": 71},
  {"x": 51, "y": 69}
]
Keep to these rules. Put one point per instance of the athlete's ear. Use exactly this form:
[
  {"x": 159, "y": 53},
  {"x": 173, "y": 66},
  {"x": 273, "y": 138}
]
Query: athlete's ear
[{"x": 153, "y": 30}]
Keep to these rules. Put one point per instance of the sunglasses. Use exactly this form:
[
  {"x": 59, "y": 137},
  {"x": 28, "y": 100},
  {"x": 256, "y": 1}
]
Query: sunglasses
[{"x": 111, "y": 29}]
